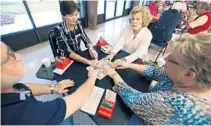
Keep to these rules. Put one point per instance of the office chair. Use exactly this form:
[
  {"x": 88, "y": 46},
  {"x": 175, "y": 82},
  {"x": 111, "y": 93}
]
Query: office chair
[
  {"x": 52, "y": 41},
  {"x": 158, "y": 33}
]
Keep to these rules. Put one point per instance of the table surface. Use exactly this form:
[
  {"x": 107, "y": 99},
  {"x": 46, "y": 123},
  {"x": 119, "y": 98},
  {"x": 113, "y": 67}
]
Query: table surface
[{"x": 77, "y": 72}]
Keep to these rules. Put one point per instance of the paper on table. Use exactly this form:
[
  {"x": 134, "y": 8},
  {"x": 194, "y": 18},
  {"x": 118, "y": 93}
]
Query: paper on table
[{"x": 93, "y": 101}]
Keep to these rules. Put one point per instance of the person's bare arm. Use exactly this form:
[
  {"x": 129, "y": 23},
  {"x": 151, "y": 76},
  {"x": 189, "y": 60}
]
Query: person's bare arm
[
  {"x": 81, "y": 59},
  {"x": 78, "y": 58},
  {"x": 80, "y": 96},
  {"x": 38, "y": 89},
  {"x": 120, "y": 64},
  {"x": 137, "y": 67}
]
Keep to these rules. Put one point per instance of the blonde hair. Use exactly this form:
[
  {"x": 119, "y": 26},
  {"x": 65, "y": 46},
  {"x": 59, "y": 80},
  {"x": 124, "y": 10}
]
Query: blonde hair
[
  {"x": 195, "y": 52},
  {"x": 145, "y": 14}
]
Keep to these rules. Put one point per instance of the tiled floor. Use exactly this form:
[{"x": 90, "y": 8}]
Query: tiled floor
[{"x": 32, "y": 57}]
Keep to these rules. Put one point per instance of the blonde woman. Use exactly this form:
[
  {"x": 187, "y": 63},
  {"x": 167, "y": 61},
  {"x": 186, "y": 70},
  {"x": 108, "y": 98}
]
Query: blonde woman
[
  {"x": 182, "y": 95},
  {"x": 136, "y": 37}
]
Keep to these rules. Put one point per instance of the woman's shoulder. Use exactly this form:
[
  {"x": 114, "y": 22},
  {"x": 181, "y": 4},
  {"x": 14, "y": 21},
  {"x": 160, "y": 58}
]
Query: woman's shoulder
[
  {"x": 59, "y": 25},
  {"x": 59, "y": 28},
  {"x": 145, "y": 32},
  {"x": 178, "y": 97},
  {"x": 127, "y": 30}
]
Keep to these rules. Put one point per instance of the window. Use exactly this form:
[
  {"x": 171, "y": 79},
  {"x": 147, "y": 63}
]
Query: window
[
  {"x": 45, "y": 12},
  {"x": 82, "y": 8},
  {"x": 14, "y": 17},
  {"x": 110, "y": 9},
  {"x": 128, "y": 4},
  {"x": 119, "y": 8},
  {"x": 144, "y": 3},
  {"x": 100, "y": 7}
]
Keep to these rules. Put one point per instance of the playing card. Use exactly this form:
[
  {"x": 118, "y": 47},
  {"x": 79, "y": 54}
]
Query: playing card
[
  {"x": 101, "y": 76},
  {"x": 101, "y": 63}
]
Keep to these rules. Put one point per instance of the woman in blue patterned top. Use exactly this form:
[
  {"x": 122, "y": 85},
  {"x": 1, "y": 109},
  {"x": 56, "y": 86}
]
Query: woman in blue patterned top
[{"x": 183, "y": 92}]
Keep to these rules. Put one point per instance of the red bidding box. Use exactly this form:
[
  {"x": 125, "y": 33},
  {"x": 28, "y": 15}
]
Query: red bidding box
[
  {"x": 106, "y": 112},
  {"x": 101, "y": 43},
  {"x": 63, "y": 64}
]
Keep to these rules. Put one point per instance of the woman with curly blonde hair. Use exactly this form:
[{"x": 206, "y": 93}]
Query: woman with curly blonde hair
[{"x": 136, "y": 37}]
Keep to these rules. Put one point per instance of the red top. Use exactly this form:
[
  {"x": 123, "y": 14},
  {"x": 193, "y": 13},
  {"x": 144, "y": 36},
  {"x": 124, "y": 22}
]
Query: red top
[
  {"x": 153, "y": 10},
  {"x": 201, "y": 28}
]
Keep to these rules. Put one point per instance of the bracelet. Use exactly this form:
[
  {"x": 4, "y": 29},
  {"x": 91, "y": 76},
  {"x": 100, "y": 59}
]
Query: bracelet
[{"x": 114, "y": 74}]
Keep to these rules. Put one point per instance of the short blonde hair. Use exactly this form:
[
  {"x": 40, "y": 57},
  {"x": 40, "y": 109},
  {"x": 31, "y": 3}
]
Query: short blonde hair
[
  {"x": 145, "y": 14},
  {"x": 195, "y": 52}
]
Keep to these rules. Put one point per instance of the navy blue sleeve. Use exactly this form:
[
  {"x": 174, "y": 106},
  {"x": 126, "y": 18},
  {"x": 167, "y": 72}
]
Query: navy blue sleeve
[{"x": 43, "y": 113}]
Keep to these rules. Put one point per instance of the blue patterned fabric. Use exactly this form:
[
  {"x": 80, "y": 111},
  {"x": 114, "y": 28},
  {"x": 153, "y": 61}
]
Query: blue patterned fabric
[{"x": 164, "y": 105}]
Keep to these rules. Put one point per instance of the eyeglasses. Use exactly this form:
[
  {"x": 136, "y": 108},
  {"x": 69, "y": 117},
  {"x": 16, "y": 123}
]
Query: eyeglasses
[
  {"x": 176, "y": 63},
  {"x": 10, "y": 53},
  {"x": 171, "y": 61}
]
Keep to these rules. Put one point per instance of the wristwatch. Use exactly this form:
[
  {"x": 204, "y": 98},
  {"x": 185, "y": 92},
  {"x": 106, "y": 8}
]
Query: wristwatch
[{"x": 52, "y": 88}]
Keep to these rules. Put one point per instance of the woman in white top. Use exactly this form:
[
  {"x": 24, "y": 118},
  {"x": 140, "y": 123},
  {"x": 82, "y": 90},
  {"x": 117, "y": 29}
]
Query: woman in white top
[{"x": 136, "y": 37}]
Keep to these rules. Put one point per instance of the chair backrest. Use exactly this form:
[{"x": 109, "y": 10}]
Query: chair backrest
[
  {"x": 158, "y": 33},
  {"x": 52, "y": 40},
  {"x": 170, "y": 19}
]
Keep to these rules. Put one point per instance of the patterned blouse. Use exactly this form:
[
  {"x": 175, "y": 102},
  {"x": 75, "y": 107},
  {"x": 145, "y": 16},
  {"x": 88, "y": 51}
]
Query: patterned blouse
[
  {"x": 164, "y": 105},
  {"x": 70, "y": 41}
]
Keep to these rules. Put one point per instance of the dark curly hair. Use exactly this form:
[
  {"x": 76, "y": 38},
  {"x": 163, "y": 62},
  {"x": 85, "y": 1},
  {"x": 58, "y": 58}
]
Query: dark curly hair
[{"x": 68, "y": 7}]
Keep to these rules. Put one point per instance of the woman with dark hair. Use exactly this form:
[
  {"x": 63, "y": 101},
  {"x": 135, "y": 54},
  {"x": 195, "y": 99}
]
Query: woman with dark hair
[{"x": 70, "y": 33}]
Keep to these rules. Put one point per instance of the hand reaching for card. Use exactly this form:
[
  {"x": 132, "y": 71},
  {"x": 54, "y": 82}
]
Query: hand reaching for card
[
  {"x": 120, "y": 64},
  {"x": 99, "y": 67},
  {"x": 92, "y": 72},
  {"x": 108, "y": 69},
  {"x": 93, "y": 63}
]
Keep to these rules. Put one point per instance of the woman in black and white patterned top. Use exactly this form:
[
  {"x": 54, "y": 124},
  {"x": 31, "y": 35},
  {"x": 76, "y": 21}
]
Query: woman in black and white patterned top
[{"x": 70, "y": 33}]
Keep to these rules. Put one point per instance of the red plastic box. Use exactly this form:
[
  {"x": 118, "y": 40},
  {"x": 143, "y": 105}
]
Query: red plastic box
[{"x": 63, "y": 64}]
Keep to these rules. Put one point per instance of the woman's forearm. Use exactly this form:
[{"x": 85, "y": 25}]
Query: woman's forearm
[
  {"x": 79, "y": 97},
  {"x": 137, "y": 67},
  {"x": 116, "y": 78},
  {"x": 78, "y": 58},
  {"x": 38, "y": 89}
]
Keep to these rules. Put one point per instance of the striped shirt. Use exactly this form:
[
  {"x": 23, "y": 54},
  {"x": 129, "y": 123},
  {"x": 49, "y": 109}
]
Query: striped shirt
[{"x": 69, "y": 41}]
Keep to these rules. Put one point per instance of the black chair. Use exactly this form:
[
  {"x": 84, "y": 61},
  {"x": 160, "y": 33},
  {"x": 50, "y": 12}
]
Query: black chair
[
  {"x": 158, "y": 33},
  {"x": 170, "y": 19},
  {"x": 52, "y": 41}
]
